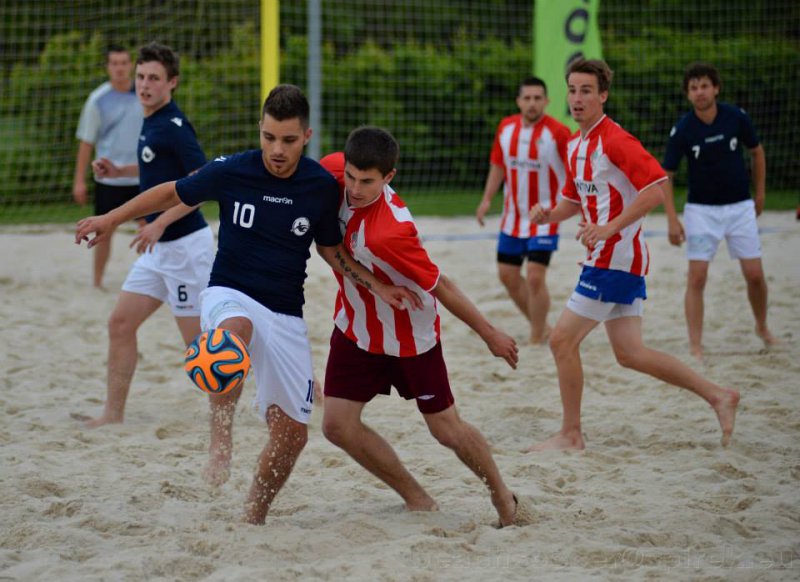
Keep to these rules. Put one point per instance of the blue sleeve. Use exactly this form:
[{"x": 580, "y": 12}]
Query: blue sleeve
[
  {"x": 747, "y": 131},
  {"x": 327, "y": 232},
  {"x": 675, "y": 148},
  {"x": 202, "y": 185},
  {"x": 186, "y": 147}
]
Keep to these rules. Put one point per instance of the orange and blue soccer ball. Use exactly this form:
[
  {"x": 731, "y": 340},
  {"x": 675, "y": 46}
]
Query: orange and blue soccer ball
[{"x": 217, "y": 361}]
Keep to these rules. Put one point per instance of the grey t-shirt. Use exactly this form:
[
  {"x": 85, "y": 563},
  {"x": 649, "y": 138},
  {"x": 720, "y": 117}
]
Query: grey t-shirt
[{"x": 112, "y": 121}]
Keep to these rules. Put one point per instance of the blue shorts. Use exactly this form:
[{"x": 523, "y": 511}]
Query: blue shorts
[
  {"x": 611, "y": 286},
  {"x": 513, "y": 250}
]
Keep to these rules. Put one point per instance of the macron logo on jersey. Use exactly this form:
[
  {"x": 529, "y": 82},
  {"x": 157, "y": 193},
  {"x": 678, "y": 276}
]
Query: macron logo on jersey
[
  {"x": 221, "y": 159},
  {"x": 278, "y": 199},
  {"x": 177, "y": 121}
]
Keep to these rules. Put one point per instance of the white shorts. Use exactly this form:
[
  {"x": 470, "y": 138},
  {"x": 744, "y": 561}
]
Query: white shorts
[
  {"x": 707, "y": 225},
  {"x": 175, "y": 272},
  {"x": 602, "y": 310},
  {"x": 279, "y": 351}
]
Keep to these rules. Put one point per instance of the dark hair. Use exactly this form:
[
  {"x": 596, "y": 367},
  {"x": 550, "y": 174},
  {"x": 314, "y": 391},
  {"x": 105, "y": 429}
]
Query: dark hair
[
  {"x": 286, "y": 102},
  {"x": 698, "y": 71},
  {"x": 115, "y": 48},
  {"x": 160, "y": 53},
  {"x": 370, "y": 147},
  {"x": 532, "y": 82},
  {"x": 596, "y": 67}
]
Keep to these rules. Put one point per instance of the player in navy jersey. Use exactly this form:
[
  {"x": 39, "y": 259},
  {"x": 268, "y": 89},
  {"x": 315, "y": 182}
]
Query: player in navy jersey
[
  {"x": 719, "y": 205},
  {"x": 274, "y": 203},
  {"x": 176, "y": 247}
]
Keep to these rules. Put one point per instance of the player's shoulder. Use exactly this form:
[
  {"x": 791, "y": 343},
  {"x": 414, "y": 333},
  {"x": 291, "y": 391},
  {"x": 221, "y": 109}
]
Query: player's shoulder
[
  {"x": 99, "y": 92},
  {"x": 313, "y": 170},
  {"x": 237, "y": 159},
  {"x": 509, "y": 120},
  {"x": 734, "y": 111}
]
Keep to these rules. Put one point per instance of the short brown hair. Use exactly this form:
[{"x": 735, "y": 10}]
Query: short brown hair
[
  {"x": 371, "y": 147},
  {"x": 287, "y": 102},
  {"x": 596, "y": 67},
  {"x": 698, "y": 71},
  {"x": 163, "y": 54}
]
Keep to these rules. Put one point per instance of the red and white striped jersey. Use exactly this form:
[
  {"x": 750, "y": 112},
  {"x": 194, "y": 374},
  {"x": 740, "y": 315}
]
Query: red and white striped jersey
[
  {"x": 383, "y": 238},
  {"x": 606, "y": 171},
  {"x": 533, "y": 161}
]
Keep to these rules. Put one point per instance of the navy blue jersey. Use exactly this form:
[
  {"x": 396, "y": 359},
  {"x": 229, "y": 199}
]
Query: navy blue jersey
[
  {"x": 717, "y": 173},
  {"x": 168, "y": 150},
  {"x": 267, "y": 224}
]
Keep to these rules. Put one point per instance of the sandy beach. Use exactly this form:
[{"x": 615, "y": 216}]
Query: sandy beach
[{"x": 653, "y": 497}]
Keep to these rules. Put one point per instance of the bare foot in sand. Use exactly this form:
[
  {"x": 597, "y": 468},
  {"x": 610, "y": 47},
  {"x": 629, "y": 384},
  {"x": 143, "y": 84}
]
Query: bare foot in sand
[
  {"x": 423, "y": 503},
  {"x": 506, "y": 506},
  {"x": 540, "y": 339},
  {"x": 766, "y": 336},
  {"x": 101, "y": 420},
  {"x": 218, "y": 469},
  {"x": 572, "y": 439},
  {"x": 726, "y": 414},
  {"x": 697, "y": 353}
]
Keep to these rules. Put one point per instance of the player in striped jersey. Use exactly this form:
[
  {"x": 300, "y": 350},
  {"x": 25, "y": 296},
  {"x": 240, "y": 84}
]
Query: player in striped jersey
[
  {"x": 613, "y": 182},
  {"x": 375, "y": 347},
  {"x": 528, "y": 157}
]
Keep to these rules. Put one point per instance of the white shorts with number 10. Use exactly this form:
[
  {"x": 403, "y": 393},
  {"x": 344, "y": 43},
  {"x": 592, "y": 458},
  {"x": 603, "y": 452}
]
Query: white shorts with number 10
[{"x": 279, "y": 351}]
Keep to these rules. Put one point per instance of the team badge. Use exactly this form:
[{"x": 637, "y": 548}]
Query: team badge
[
  {"x": 300, "y": 226},
  {"x": 148, "y": 155}
]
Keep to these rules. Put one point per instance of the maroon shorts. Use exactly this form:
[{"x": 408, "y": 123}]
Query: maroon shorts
[{"x": 356, "y": 374}]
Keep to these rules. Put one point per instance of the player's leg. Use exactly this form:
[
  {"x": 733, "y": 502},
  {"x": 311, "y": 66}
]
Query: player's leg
[
  {"x": 757, "y": 293},
  {"x": 625, "y": 335},
  {"x": 744, "y": 245},
  {"x": 101, "y": 255},
  {"x": 287, "y": 437},
  {"x": 510, "y": 256},
  {"x": 538, "y": 296},
  {"x": 342, "y": 425},
  {"x": 694, "y": 307},
  {"x": 572, "y": 327},
  {"x": 471, "y": 448},
  {"x": 222, "y": 408},
  {"x": 130, "y": 311}
]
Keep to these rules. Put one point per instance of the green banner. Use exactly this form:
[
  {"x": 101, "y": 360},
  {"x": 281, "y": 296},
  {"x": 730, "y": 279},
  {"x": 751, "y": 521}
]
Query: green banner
[{"x": 562, "y": 31}]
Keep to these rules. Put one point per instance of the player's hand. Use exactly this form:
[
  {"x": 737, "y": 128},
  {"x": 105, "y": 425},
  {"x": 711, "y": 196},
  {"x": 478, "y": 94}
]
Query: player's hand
[
  {"x": 675, "y": 233},
  {"x": 590, "y": 234},
  {"x": 503, "y": 346},
  {"x": 105, "y": 168},
  {"x": 483, "y": 209},
  {"x": 398, "y": 297},
  {"x": 147, "y": 237},
  {"x": 539, "y": 215},
  {"x": 101, "y": 226},
  {"x": 80, "y": 193},
  {"x": 759, "y": 201}
]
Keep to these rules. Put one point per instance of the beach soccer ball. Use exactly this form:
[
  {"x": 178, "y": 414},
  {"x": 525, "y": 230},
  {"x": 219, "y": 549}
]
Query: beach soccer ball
[{"x": 217, "y": 361}]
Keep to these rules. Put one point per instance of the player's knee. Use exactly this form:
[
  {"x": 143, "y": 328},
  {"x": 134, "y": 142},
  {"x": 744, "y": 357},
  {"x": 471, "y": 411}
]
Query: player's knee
[
  {"x": 447, "y": 434},
  {"x": 336, "y": 431},
  {"x": 559, "y": 342},
  {"x": 536, "y": 282},
  {"x": 120, "y": 325},
  {"x": 628, "y": 358},
  {"x": 697, "y": 281}
]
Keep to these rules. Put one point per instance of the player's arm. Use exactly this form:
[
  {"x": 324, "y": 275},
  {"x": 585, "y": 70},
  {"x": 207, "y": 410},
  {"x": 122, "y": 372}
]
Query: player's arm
[
  {"x": 500, "y": 344},
  {"x": 759, "y": 169},
  {"x": 80, "y": 191},
  {"x": 647, "y": 200},
  {"x": 149, "y": 234},
  {"x": 675, "y": 231},
  {"x": 341, "y": 262},
  {"x": 155, "y": 199},
  {"x": 564, "y": 209},
  {"x": 105, "y": 168},
  {"x": 493, "y": 182}
]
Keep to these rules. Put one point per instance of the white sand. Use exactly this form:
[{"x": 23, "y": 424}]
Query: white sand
[{"x": 654, "y": 496}]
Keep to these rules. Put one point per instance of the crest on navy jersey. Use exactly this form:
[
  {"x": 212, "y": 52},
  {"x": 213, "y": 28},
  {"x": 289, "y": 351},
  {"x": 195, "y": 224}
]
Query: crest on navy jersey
[
  {"x": 300, "y": 226},
  {"x": 148, "y": 155}
]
